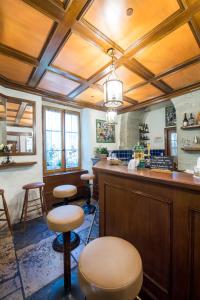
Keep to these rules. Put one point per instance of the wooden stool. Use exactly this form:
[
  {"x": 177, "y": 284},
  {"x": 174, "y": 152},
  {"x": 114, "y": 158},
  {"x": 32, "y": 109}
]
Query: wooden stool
[
  {"x": 88, "y": 207},
  {"x": 65, "y": 192},
  {"x": 110, "y": 268},
  {"x": 5, "y": 211},
  {"x": 64, "y": 219},
  {"x": 33, "y": 207}
]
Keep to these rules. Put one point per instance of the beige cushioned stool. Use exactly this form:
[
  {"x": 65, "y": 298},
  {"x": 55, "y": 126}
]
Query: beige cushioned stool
[
  {"x": 64, "y": 219},
  {"x": 110, "y": 268},
  {"x": 87, "y": 177},
  {"x": 64, "y": 191}
]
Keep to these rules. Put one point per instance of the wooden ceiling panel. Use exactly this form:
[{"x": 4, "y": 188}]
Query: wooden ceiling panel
[
  {"x": 110, "y": 17},
  {"x": 11, "y": 113},
  {"x": 144, "y": 93},
  {"x": 128, "y": 77},
  {"x": 57, "y": 83},
  {"x": 174, "y": 49},
  {"x": 90, "y": 95},
  {"x": 80, "y": 57},
  {"x": 184, "y": 77},
  {"x": 14, "y": 69},
  {"x": 126, "y": 104},
  {"x": 12, "y": 106},
  {"x": 24, "y": 28}
]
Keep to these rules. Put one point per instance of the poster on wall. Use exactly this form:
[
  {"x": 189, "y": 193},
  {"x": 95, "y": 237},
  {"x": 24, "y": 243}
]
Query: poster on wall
[
  {"x": 104, "y": 133},
  {"x": 170, "y": 116}
]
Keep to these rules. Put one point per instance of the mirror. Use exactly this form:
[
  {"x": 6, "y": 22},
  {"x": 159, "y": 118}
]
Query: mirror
[{"x": 17, "y": 125}]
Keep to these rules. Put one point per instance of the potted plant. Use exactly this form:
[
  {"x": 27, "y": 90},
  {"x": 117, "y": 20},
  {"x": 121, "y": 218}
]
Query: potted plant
[{"x": 101, "y": 152}]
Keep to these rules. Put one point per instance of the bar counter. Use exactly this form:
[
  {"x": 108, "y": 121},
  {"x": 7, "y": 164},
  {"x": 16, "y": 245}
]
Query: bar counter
[{"x": 160, "y": 215}]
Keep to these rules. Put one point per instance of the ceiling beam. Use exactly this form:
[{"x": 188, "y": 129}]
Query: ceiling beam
[
  {"x": 48, "y": 8},
  {"x": 175, "y": 93},
  {"x": 18, "y": 55},
  {"x": 61, "y": 33},
  {"x": 163, "y": 29},
  {"x": 175, "y": 21},
  {"x": 52, "y": 97},
  {"x": 143, "y": 72},
  {"x": 66, "y": 74}
]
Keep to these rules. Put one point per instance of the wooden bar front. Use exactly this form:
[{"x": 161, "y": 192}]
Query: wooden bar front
[{"x": 160, "y": 215}]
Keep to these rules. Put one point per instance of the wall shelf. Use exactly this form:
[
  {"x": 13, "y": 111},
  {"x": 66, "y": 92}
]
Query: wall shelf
[
  {"x": 190, "y": 127},
  {"x": 190, "y": 148},
  {"x": 17, "y": 165}
]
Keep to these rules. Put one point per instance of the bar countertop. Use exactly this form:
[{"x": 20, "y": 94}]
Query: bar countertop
[{"x": 178, "y": 179}]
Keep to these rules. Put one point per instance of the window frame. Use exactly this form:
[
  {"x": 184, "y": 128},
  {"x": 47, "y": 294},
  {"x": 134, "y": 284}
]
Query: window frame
[{"x": 63, "y": 111}]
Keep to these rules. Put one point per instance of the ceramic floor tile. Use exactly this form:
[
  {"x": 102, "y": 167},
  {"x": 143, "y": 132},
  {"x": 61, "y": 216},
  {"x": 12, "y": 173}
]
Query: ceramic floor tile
[
  {"x": 39, "y": 264},
  {"x": 47, "y": 291},
  {"x": 35, "y": 231},
  {"x": 8, "y": 264},
  {"x": 76, "y": 252},
  {"x": 17, "y": 295},
  {"x": 9, "y": 286}
]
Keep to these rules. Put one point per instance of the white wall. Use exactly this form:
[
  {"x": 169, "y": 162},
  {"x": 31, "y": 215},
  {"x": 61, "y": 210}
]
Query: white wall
[
  {"x": 88, "y": 136},
  {"x": 189, "y": 103},
  {"x": 12, "y": 180},
  {"x": 155, "y": 118}
]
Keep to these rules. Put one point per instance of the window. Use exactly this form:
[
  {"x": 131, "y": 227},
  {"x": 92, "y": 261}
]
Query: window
[{"x": 61, "y": 140}]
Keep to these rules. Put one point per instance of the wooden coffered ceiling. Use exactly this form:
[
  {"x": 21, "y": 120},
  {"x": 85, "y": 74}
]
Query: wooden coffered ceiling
[{"x": 58, "y": 49}]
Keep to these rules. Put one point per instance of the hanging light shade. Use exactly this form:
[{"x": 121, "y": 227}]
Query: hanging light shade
[
  {"x": 113, "y": 87},
  {"x": 111, "y": 117}
]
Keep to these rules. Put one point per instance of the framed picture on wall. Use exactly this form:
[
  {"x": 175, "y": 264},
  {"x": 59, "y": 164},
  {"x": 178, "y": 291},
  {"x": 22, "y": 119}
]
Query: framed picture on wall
[
  {"x": 104, "y": 133},
  {"x": 170, "y": 116}
]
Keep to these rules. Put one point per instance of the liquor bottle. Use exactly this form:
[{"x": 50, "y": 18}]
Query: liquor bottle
[
  {"x": 146, "y": 128},
  {"x": 191, "y": 120},
  {"x": 185, "y": 120}
]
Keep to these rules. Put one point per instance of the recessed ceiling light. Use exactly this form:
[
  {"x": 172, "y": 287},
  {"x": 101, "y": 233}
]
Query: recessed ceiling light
[{"x": 129, "y": 11}]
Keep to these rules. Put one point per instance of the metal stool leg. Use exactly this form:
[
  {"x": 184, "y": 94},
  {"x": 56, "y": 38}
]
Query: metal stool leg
[
  {"x": 67, "y": 262},
  {"x": 88, "y": 207},
  {"x": 91, "y": 226}
]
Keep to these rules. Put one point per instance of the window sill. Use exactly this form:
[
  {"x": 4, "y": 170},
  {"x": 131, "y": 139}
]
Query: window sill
[{"x": 64, "y": 172}]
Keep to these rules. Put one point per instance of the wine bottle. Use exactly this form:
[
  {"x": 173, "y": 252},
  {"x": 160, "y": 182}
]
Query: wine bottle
[
  {"x": 185, "y": 120},
  {"x": 191, "y": 120}
]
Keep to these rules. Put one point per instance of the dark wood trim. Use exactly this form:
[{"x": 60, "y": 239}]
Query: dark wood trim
[
  {"x": 48, "y": 8},
  {"x": 16, "y": 165},
  {"x": 175, "y": 93},
  {"x": 18, "y": 55},
  {"x": 173, "y": 22},
  {"x": 58, "y": 38},
  {"x": 66, "y": 74},
  {"x": 33, "y": 127},
  {"x": 49, "y": 96},
  {"x": 62, "y": 111}
]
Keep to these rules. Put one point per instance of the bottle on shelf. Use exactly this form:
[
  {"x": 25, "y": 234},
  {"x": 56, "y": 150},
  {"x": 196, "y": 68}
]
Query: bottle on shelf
[
  {"x": 185, "y": 120},
  {"x": 191, "y": 120}
]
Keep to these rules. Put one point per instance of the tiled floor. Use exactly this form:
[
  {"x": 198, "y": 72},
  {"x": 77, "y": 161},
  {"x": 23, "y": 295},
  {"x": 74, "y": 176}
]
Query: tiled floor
[{"x": 29, "y": 267}]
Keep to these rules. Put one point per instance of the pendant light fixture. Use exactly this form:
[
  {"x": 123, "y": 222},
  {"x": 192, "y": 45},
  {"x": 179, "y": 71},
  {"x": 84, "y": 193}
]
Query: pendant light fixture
[
  {"x": 111, "y": 117},
  {"x": 113, "y": 87}
]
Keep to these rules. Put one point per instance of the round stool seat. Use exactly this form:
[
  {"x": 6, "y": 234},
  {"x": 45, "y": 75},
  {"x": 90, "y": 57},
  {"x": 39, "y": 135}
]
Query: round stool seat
[
  {"x": 87, "y": 177},
  {"x": 64, "y": 191},
  {"x": 65, "y": 218},
  {"x": 33, "y": 185},
  {"x": 110, "y": 268}
]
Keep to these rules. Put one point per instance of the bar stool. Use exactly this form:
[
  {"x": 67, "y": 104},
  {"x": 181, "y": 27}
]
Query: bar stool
[
  {"x": 5, "y": 211},
  {"x": 88, "y": 207},
  {"x": 110, "y": 268},
  {"x": 32, "y": 206},
  {"x": 64, "y": 219},
  {"x": 65, "y": 192}
]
